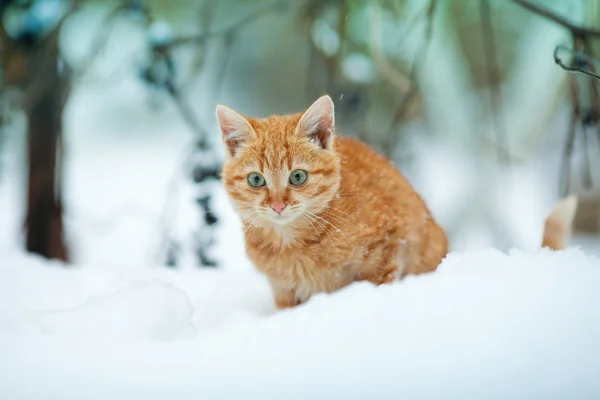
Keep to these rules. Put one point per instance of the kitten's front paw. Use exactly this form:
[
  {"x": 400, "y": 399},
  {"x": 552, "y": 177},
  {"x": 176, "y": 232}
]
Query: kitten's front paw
[
  {"x": 282, "y": 304},
  {"x": 285, "y": 299}
]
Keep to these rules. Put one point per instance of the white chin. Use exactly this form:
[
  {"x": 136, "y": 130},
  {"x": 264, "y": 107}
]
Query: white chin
[{"x": 281, "y": 219}]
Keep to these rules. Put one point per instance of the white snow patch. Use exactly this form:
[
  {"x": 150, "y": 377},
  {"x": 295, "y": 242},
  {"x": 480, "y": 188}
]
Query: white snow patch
[
  {"x": 486, "y": 323},
  {"x": 144, "y": 309}
]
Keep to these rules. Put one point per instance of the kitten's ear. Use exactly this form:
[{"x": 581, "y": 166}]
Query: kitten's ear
[
  {"x": 318, "y": 123},
  {"x": 235, "y": 128}
]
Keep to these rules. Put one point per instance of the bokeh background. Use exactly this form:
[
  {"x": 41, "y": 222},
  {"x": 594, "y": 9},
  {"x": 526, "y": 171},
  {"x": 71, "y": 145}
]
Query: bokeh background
[{"x": 109, "y": 149}]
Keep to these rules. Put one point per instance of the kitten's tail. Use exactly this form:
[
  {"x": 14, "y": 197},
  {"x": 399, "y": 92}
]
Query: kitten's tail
[{"x": 559, "y": 223}]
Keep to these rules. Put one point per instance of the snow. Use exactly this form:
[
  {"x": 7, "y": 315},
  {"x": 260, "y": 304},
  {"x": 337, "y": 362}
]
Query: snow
[
  {"x": 144, "y": 309},
  {"x": 486, "y": 323}
]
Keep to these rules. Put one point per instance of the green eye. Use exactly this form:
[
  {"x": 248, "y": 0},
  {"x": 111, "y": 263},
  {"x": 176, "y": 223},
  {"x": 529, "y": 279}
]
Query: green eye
[
  {"x": 256, "y": 180},
  {"x": 298, "y": 177}
]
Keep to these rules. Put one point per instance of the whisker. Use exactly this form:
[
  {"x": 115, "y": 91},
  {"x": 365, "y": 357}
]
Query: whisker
[
  {"x": 305, "y": 218},
  {"x": 344, "y": 214},
  {"x": 251, "y": 224},
  {"x": 325, "y": 228},
  {"x": 332, "y": 225},
  {"x": 340, "y": 218}
]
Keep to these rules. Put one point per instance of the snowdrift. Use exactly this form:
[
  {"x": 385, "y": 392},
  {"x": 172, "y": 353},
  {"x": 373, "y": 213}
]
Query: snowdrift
[{"x": 486, "y": 324}]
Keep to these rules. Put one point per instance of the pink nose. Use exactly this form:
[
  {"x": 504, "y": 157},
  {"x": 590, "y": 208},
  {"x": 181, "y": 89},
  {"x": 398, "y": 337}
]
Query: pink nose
[{"x": 278, "y": 208}]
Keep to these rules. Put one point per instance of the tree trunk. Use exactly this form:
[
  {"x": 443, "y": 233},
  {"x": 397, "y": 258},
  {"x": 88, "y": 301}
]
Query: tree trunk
[
  {"x": 31, "y": 62},
  {"x": 44, "y": 223}
]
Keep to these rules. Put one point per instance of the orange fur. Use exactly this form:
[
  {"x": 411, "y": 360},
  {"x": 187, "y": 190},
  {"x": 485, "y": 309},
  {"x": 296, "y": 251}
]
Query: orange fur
[
  {"x": 558, "y": 225},
  {"x": 355, "y": 218}
]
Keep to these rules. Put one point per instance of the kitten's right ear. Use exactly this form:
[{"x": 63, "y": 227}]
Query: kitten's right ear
[
  {"x": 235, "y": 128},
  {"x": 318, "y": 123}
]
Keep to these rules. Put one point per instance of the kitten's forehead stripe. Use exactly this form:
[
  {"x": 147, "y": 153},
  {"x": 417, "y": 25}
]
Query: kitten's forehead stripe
[
  {"x": 283, "y": 163},
  {"x": 288, "y": 154}
]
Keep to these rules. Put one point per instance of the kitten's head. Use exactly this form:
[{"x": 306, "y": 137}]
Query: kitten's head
[{"x": 281, "y": 168}]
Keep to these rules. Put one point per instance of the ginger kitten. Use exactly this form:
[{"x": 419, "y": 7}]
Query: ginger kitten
[{"x": 321, "y": 211}]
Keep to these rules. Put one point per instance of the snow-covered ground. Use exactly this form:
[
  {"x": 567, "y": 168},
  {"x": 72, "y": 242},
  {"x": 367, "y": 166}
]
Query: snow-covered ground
[{"x": 486, "y": 324}]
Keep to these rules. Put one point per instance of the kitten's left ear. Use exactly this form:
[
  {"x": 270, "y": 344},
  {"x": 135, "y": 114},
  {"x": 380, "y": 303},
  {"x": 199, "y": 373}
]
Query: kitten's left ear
[
  {"x": 318, "y": 123},
  {"x": 236, "y": 129}
]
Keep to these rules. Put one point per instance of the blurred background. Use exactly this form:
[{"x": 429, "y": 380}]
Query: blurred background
[{"x": 110, "y": 152}]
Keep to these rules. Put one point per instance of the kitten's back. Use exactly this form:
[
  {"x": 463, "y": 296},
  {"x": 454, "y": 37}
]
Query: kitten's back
[{"x": 390, "y": 211}]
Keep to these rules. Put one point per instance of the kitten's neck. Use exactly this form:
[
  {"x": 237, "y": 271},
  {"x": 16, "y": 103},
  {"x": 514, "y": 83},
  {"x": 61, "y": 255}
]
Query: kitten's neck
[{"x": 275, "y": 235}]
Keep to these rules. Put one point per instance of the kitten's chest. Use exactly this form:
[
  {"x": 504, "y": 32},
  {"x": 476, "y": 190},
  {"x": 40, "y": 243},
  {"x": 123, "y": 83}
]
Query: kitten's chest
[{"x": 307, "y": 271}]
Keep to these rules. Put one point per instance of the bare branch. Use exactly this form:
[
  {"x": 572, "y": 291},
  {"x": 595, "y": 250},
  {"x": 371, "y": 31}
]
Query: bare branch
[
  {"x": 493, "y": 76},
  {"x": 547, "y": 13},
  {"x": 581, "y": 63},
  {"x": 413, "y": 89},
  {"x": 581, "y": 58},
  {"x": 594, "y": 113},
  {"x": 570, "y": 143},
  {"x": 103, "y": 35},
  {"x": 164, "y": 51},
  {"x": 230, "y": 30},
  {"x": 394, "y": 76},
  {"x": 586, "y": 165}
]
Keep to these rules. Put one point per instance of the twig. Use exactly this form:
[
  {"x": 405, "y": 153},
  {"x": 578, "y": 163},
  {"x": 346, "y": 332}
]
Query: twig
[
  {"x": 394, "y": 76},
  {"x": 228, "y": 44},
  {"x": 342, "y": 31},
  {"x": 586, "y": 166},
  {"x": 493, "y": 76},
  {"x": 206, "y": 15},
  {"x": 310, "y": 72},
  {"x": 575, "y": 67},
  {"x": 582, "y": 63},
  {"x": 569, "y": 145},
  {"x": 164, "y": 50},
  {"x": 413, "y": 89},
  {"x": 589, "y": 57},
  {"x": 188, "y": 114},
  {"x": 102, "y": 36},
  {"x": 547, "y": 13},
  {"x": 594, "y": 116},
  {"x": 232, "y": 29}
]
